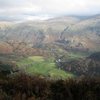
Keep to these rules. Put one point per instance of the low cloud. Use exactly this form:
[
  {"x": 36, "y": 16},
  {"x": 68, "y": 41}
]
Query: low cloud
[{"x": 43, "y": 9}]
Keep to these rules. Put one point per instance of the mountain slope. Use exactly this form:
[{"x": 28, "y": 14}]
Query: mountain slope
[{"x": 72, "y": 32}]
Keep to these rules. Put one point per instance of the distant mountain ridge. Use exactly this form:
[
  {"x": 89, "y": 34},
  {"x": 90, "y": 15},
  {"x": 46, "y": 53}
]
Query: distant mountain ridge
[{"x": 75, "y": 31}]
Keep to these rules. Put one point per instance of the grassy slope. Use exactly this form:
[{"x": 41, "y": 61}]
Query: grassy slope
[{"x": 42, "y": 66}]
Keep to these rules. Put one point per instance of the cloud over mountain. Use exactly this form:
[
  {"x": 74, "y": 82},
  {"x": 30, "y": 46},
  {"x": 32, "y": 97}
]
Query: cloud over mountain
[{"x": 38, "y": 9}]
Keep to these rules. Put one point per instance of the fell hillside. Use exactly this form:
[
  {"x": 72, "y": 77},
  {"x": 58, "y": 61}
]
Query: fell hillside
[
  {"x": 89, "y": 66},
  {"x": 72, "y": 32},
  {"x": 4, "y": 24},
  {"x": 86, "y": 32}
]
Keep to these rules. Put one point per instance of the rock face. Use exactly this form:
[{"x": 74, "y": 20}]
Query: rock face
[{"x": 72, "y": 31}]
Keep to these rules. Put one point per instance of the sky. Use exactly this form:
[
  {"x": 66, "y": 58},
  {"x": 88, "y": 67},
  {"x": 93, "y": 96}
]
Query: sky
[{"x": 22, "y": 10}]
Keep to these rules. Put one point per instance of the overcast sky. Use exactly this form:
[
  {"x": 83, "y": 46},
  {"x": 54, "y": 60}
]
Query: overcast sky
[{"x": 17, "y": 10}]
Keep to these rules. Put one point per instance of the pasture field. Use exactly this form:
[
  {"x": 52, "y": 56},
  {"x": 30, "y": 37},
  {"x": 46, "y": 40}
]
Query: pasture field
[{"x": 42, "y": 66}]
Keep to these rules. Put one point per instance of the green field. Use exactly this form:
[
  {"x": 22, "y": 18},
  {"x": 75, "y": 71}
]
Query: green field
[{"x": 42, "y": 66}]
